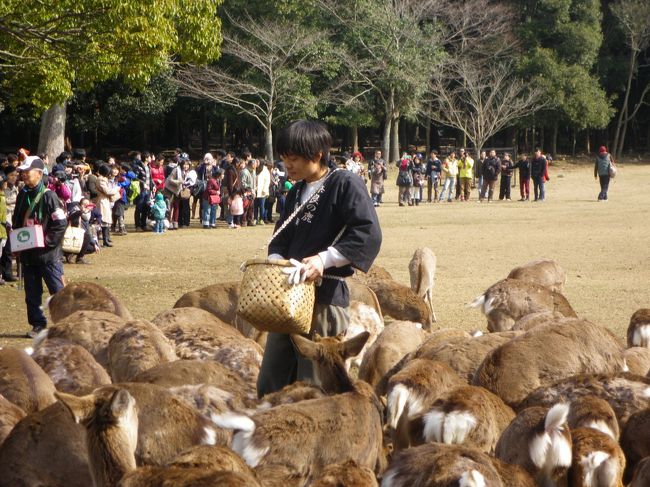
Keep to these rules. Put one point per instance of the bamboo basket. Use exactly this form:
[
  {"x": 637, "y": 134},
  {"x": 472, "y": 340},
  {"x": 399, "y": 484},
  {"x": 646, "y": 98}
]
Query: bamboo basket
[{"x": 269, "y": 303}]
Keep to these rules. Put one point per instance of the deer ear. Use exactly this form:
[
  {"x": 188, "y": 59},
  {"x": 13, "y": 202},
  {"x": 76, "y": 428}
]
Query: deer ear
[
  {"x": 308, "y": 349},
  {"x": 80, "y": 408},
  {"x": 354, "y": 345},
  {"x": 121, "y": 402}
]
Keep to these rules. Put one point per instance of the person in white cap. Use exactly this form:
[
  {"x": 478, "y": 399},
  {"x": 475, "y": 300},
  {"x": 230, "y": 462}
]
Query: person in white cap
[{"x": 36, "y": 205}]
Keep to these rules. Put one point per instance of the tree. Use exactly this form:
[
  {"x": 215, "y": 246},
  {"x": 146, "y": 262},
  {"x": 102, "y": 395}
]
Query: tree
[
  {"x": 634, "y": 19},
  {"x": 265, "y": 72},
  {"x": 50, "y": 49},
  {"x": 480, "y": 97}
]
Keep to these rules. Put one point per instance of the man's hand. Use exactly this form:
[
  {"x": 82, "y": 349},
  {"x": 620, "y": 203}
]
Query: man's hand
[{"x": 313, "y": 268}]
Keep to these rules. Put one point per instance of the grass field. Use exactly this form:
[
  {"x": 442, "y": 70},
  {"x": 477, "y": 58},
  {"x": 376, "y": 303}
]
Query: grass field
[{"x": 604, "y": 248}]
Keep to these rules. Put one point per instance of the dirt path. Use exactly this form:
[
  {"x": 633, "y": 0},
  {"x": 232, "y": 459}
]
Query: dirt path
[{"x": 603, "y": 246}]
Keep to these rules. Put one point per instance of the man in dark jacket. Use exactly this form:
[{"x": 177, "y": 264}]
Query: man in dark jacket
[
  {"x": 538, "y": 175},
  {"x": 433, "y": 171},
  {"x": 36, "y": 205},
  {"x": 491, "y": 169},
  {"x": 523, "y": 164}
]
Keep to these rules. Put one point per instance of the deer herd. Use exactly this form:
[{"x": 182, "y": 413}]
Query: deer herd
[{"x": 546, "y": 398}]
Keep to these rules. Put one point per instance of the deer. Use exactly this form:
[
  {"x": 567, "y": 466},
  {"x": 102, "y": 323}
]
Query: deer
[
  {"x": 90, "y": 329},
  {"x": 626, "y": 393},
  {"x": 400, "y": 302},
  {"x": 597, "y": 460},
  {"x": 223, "y": 344},
  {"x": 304, "y": 437},
  {"x": 23, "y": 382},
  {"x": 641, "y": 477},
  {"x": 637, "y": 360},
  {"x": 136, "y": 347},
  {"x": 397, "y": 339},
  {"x": 422, "y": 271},
  {"x": 10, "y": 415},
  {"x": 544, "y": 272},
  {"x": 635, "y": 440},
  {"x": 509, "y": 300},
  {"x": 87, "y": 296},
  {"x": 467, "y": 415},
  {"x": 362, "y": 318},
  {"x": 539, "y": 441},
  {"x": 70, "y": 366},
  {"x": 531, "y": 320},
  {"x": 347, "y": 474},
  {"x": 111, "y": 424},
  {"x": 547, "y": 354},
  {"x": 440, "y": 465},
  {"x": 594, "y": 412},
  {"x": 638, "y": 332}
]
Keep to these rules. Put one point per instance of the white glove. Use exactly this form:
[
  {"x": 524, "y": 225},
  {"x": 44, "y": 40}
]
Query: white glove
[{"x": 295, "y": 273}]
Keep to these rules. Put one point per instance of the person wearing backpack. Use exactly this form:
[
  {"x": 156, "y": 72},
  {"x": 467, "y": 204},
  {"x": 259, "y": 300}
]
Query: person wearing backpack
[
  {"x": 602, "y": 171},
  {"x": 405, "y": 180},
  {"x": 36, "y": 205},
  {"x": 491, "y": 171}
]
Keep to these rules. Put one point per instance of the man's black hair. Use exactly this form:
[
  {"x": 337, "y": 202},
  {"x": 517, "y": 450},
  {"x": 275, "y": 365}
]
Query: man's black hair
[
  {"x": 305, "y": 138},
  {"x": 231, "y": 153},
  {"x": 220, "y": 153},
  {"x": 79, "y": 153},
  {"x": 145, "y": 154},
  {"x": 104, "y": 170}
]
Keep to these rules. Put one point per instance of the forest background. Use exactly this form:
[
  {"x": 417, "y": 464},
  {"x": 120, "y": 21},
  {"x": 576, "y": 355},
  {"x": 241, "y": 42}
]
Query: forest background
[{"x": 114, "y": 75}]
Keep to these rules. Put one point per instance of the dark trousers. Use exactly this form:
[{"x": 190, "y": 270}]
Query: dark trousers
[
  {"x": 283, "y": 365},
  {"x": 466, "y": 188},
  {"x": 488, "y": 189},
  {"x": 538, "y": 188},
  {"x": 504, "y": 188},
  {"x": 248, "y": 212},
  {"x": 6, "y": 260},
  {"x": 432, "y": 185},
  {"x": 34, "y": 276},
  {"x": 141, "y": 210},
  {"x": 183, "y": 212},
  {"x": 270, "y": 201},
  {"x": 604, "y": 187},
  {"x": 524, "y": 188},
  {"x": 260, "y": 209},
  {"x": 458, "y": 187}
]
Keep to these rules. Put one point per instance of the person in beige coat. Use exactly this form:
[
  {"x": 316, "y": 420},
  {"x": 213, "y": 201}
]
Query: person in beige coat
[
  {"x": 106, "y": 194},
  {"x": 262, "y": 186}
]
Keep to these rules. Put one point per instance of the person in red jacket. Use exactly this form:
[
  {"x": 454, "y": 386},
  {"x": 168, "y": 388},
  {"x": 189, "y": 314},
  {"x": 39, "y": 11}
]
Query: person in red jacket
[{"x": 157, "y": 169}]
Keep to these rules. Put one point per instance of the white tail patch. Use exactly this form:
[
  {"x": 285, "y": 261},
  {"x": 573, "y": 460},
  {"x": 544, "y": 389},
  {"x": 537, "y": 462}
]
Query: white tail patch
[
  {"x": 591, "y": 465},
  {"x": 450, "y": 428},
  {"x": 641, "y": 336},
  {"x": 233, "y": 421},
  {"x": 603, "y": 427},
  {"x": 487, "y": 307},
  {"x": 242, "y": 440},
  {"x": 396, "y": 403},
  {"x": 473, "y": 478},
  {"x": 551, "y": 449},
  {"x": 625, "y": 367},
  {"x": 478, "y": 302},
  {"x": 646, "y": 392},
  {"x": 210, "y": 437},
  {"x": 41, "y": 337},
  {"x": 390, "y": 480},
  {"x": 29, "y": 350},
  {"x": 476, "y": 333}
]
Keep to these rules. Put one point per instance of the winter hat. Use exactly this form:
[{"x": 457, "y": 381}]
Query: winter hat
[
  {"x": 159, "y": 197},
  {"x": 602, "y": 149}
]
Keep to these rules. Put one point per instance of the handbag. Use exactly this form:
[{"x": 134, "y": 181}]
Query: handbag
[
  {"x": 214, "y": 199},
  {"x": 73, "y": 239},
  {"x": 185, "y": 193},
  {"x": 267, "y": 300},
  {"x": 612, "y": 169}
]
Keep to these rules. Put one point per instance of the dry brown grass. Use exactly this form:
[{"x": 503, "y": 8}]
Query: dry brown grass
[{"x": 604, "y": 248}]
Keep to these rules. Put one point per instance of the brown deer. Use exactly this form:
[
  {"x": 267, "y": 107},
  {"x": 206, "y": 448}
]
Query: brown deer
[
  {"x": 641, "y": 477},
  {"x": 304, "y": 437},
  {"x": 362, "y": 318},
  {"x": 347, "y": 474},
  {"x": 467, "y": 415},
  {"x": 593, "y": 412},
  {"x": 547, "y": 354},
  {"x": 637, "y": 360},
  {"x": 136, "y": 347},
  {"x": 397, "y": 339},
  {"x": 422, "y": 271},
  {"x": 70, "y": 366},
  {"x": 539, "y": 441},
  {"x": 544, "y": 272},
  {"x": 598, "y": 461},
  {"x": 509, "y": 300},
  {"x": 90, "y": 329},
  {"x": 87, "y": 296},
  {"x": 23, "y": 382},
  {"x": 638, "y": 332},
  {"x": 401, "y": 303},
  {"x": 635, "y": 440},
  {"x": 10, "y": 414}
]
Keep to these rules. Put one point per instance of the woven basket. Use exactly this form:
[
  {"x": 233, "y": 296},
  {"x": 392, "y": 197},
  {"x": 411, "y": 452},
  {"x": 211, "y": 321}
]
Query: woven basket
[{"x": 269, "y": 303}]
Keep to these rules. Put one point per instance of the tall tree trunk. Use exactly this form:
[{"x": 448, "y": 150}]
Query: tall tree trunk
[
  {"x": 621, "y": 142},
  {"x": 268, "y": 142},
  {"x": 205, "y": 145},
  {"x": 542, "y": 133},
  {"x": 575, "y": 137},
  {"x": 533, "y": 141},
  {"x": 224, "y": 132},
  {"x": 386, "y": 139},
  {"x": 52, "y": 136},
  {"x": 554, "y": 138},
  {"x": 587, "y": 141},
  {"x": 394, "y": 142},
  {"x": 354, "y": 132},
  {"x": 618, "y": 140},
  {"x": 427, "y": 133}
]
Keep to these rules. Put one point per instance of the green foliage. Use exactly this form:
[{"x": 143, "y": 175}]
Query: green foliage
[{"x": 49, "y": 49}]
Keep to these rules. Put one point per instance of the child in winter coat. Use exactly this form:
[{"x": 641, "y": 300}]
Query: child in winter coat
[
  {"x": 158, "y": 212},
  {"x": 236, "y": 208},
  {"x": 211, "y": 199}
]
